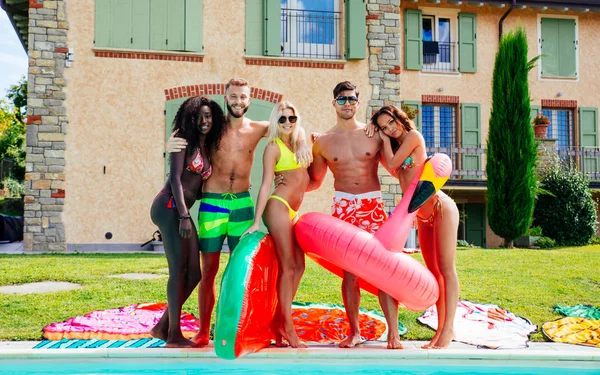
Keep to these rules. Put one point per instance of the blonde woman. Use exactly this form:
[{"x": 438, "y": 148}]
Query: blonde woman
[
  {"x": 404, "y": 152},
  {"x": 279, "y": 210}
]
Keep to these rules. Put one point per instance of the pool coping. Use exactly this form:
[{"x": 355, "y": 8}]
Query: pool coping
[{"x": 368, "y": 351}]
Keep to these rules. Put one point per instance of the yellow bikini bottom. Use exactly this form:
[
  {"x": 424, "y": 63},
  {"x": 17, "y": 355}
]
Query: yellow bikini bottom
[{"x": 293, "y": 213}]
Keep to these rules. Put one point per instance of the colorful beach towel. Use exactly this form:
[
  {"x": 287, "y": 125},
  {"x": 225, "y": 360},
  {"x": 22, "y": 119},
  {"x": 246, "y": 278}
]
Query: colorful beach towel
[
  {"x": 580, "y": 327},
  {"x": 484, "y": 325},
  {"x": 327, "y": 324},
  {"x": 100, "y": 344},
  {"x": 123, "y": 323},
  {"x": 123, "y": 326}
]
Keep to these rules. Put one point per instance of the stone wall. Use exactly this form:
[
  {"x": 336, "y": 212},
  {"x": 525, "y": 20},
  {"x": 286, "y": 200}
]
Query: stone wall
[
  {"x": 46, "y": 127},
  {"x": 383, "y": 36}
]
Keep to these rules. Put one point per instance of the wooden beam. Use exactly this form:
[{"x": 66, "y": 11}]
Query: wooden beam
[
  {"x": 539, "y": 7},
  {"x": 475, "y": 4},
  {"x": 581, "y": 10},
  {"x": 560, "y": 9},
  {"x": 455, "y": 2},
  {"x": 497, "y": 5},
  {"x": 433, "y": 1}
]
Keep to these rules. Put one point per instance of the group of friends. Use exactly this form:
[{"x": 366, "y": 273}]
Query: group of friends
[{"x": 211, "y": 160}]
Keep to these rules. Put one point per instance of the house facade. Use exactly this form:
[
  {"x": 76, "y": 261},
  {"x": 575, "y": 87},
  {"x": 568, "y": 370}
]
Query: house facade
[{"x": 107, "y": 76}]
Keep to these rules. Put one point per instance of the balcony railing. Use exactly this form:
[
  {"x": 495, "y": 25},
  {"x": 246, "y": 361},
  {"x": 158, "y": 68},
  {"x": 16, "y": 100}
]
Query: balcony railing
[
  {"x": 469, "y": 162},
  {"x": 440, "y": 57},
  {"x": 310, "y": 34}
]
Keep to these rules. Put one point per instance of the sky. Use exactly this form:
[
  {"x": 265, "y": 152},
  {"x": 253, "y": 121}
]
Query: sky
[{"x": 13, "y": 59}]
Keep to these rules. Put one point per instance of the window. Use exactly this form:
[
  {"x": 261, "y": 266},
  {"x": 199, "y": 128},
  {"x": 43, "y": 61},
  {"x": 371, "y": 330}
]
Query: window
[
  {"x": 162, "y": 25},
  {"x": 438, "y": 127},
  {"x": 440, "y": 40},
  {"x": 561, "y": 127},
  {"x": 310, "y": 28},
  {"x": 305, "y": 28},
  {"x": 558, "y": 47}
]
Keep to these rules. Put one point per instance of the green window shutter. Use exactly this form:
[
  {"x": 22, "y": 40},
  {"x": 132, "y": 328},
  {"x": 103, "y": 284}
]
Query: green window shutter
[
  {"x": 158, "y": 25},
  {"x": 272, "y": 32},
  {"x": 176, "y": 25},
  {"x": 102, "y": 23},
  {"x": 140, "y": 25},
  {"x": 254, "y": 28},
  {"x": 416, "y": 105},
  {"x": 550, "y": 49},
  {"x": 535, "y": 110},
  {"x": 356, "y": 29},
  {"x": 567, "y": 45},
  {"x": 120, "y": 25},
  {"x": 413, "y": 44},
  {"x": 588, "y": 132},
  {"x": 467, "y": 42},
  {"x": 470, "y": 118},
  {"x": 559, "y": 47},
  {"x": 193, "y": 26}
]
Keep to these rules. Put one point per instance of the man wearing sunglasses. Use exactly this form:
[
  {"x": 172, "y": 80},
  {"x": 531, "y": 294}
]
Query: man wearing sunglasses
[
  {"x": 353, "y": 158},
  {"x": 226, "y": 208}
]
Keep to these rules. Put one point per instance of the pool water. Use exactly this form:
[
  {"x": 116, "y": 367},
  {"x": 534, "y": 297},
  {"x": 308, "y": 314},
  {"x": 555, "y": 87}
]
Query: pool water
[{"x": 307, "y": 366}]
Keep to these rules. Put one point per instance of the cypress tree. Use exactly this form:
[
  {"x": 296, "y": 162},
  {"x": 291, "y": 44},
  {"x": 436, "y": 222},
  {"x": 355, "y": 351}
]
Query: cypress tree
[{"x": 511, "y": 148}]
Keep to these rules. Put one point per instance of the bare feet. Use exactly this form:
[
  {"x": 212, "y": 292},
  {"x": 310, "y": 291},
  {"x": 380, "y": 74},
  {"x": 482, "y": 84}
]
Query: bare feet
[
  {"x": 444, "y": 340},
  {"x": 160, "y": 331},
  {"x": 289, "y": 334},
  {"x": 179, "y": 342},
  {"x": 394, "y": 343},
  {"x": 351, "y": 341},
  {"x": 201, "y": 339},
  {"x": 431, "y": 343}
]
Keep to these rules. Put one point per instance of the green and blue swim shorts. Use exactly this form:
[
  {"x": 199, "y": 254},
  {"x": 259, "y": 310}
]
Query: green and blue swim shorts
[{"x": 223, "y": 215}]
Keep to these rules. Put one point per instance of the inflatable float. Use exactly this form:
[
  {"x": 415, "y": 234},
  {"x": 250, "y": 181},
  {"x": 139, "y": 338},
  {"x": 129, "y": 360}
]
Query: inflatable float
[
  {"x": 377, "y": 259},
  {"x": 248, "y": 298}
]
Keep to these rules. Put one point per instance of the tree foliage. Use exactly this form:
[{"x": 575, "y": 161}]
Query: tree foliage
[
  {"x": 511, "y": 149},
  {"x": 12, "y": 128}
]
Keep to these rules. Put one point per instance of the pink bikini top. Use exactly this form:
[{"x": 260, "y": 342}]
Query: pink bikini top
[{"x": 197, "y": 164}]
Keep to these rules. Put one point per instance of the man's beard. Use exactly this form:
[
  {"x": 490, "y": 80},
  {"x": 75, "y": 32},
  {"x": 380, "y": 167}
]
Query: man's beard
[{"x": 230, "y": 111}]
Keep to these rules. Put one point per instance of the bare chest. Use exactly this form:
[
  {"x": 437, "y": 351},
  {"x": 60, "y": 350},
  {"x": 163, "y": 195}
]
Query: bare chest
[{"x": 350, "y": 149}]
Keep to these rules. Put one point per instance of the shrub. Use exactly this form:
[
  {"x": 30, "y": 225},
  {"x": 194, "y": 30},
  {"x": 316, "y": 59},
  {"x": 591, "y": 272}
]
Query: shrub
[
  {"x": 462, "y": 243},
  {"x": 569, "y": 214},
  {"x": 534, "y": 231},
  {"x": 595, "y": 240},
  {"x": 15, "y": 188},
  {"x": 545, "y": 243}
]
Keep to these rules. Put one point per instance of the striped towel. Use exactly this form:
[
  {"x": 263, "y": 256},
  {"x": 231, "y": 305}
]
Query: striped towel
[{"x": 100, "y": 344}]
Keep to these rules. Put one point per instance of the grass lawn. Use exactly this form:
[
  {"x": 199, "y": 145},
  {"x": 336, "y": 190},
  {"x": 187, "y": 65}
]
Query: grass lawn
[{"x": 526, "y": 282}]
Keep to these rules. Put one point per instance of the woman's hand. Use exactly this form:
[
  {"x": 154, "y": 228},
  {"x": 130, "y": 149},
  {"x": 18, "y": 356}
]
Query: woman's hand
[
  {"x": 185, "y": 227},
  {"x": 278, "y": 180},
  {"x": 252, "y": 229},
  {"x": 175, "y": 144},
  {"x": 370, "y": 129},
  {"x": 304, "y": 155}
]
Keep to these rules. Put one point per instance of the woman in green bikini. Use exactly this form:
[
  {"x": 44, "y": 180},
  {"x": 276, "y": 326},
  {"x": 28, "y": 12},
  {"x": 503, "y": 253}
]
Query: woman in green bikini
[
  {"x": 404, "y": 150},
  {"x": 279, "y": 210}
]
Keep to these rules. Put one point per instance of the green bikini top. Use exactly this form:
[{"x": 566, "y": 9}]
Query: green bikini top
[{"x": 287, "y": 159}]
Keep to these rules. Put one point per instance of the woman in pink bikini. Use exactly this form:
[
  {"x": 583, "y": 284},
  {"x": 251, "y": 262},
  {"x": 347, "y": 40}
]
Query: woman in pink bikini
[
  {"x": 404, "y": 151},
  {"x": 201, "y": 122}
]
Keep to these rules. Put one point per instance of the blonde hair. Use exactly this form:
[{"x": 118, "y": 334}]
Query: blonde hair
[{"x": 276, "y": 113}]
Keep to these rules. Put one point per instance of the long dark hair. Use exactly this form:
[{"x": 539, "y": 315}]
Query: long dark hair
[
  {"x": 186, "y": 120},
  {"x": 399, "y": 116}
]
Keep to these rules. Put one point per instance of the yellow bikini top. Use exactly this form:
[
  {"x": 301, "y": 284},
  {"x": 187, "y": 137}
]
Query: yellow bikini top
[{"x": 287, "y": 160}]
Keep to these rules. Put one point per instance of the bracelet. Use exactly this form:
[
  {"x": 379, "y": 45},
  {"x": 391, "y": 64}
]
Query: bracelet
[{"x": 184, "y": 217}]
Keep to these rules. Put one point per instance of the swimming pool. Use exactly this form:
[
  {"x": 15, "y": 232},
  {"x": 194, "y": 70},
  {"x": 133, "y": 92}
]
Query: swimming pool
[{"x": 306, "y": 366}]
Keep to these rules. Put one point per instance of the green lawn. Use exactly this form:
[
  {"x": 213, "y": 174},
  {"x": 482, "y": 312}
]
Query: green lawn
[{"x": 526, "y": 282}]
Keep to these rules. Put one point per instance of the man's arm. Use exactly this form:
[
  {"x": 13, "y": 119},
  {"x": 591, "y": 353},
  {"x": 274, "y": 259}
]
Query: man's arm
[
  {"x": 175, "y": 144},
  {"x": 317, "y": 170}
]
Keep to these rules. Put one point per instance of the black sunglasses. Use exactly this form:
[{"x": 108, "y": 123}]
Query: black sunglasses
[
  {"x": 341, "y": 100},
  {"x": 292, "y": 119}
]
